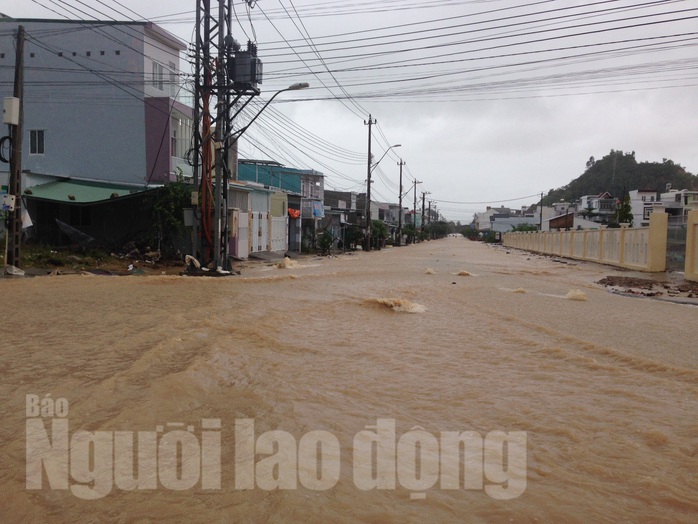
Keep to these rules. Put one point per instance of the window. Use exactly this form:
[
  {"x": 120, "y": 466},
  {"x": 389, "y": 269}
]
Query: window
[
  {"x": 158, "y": 73},
  {"x": 173, "y": 79},
  {"x": 173, "y": 141},
  {"x": 36, "y": 142}
]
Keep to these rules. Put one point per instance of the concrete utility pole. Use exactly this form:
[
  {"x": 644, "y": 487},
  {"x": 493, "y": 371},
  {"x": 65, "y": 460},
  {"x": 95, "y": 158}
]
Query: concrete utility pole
[
  {"x": 368, "y": 186},
  {"x": 14, "y": 255},
  {"x": 414, "y": 212},
  {"x": 399, "y": 214}
]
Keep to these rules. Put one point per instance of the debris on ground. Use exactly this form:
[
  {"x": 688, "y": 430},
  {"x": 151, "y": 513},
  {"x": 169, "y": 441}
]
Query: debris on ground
[{"x": 648, "y": 287}]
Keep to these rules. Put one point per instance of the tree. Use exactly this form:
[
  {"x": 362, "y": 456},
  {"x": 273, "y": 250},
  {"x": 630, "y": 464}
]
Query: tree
[
  {"x": 618, "y": 171},
  {"x": 624, "y": 212},
  {"x": 168, "y": 216},
  {"x": 325, "y": 242},
  {"x": 524, "y": 227},
  {"x": 353, "y": 236},
  {"x": 409, "y": 232},
  {"x": 379, "y": 232}
]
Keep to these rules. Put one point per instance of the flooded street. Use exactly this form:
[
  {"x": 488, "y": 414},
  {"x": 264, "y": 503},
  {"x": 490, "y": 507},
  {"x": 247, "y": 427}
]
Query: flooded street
[{"x": 603, "y": 388}]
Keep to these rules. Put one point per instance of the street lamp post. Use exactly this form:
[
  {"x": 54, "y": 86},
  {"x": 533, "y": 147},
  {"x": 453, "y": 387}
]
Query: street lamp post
[
  {"x": 293, "y": 87},
  {"x": 371, "y": 167}
]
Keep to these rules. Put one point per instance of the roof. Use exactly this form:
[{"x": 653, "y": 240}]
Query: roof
[
  {"x": 155, "y": 30},
  {"x": 81, "y": 191}
]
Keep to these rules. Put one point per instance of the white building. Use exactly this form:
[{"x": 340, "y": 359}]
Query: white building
[
  {"x": 642, "y": 203},
  {"x": 678, "y": 203}
]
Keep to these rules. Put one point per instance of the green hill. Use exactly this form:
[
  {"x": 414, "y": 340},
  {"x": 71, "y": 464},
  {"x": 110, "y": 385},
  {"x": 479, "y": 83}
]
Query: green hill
[{"x": 619, "y": 173}]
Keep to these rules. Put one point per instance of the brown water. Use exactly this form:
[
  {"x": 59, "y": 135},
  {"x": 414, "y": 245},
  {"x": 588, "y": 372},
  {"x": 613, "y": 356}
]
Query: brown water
[{"x": 604, "y": 387}]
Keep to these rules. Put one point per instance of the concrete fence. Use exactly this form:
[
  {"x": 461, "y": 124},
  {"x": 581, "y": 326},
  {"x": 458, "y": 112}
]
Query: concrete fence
[
  {"x": 642, "y": 249},
  {"x": 691, "y": 271}
]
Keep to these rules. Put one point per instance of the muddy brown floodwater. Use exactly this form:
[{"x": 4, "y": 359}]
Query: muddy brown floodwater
[{"x": 444, "y": 382}]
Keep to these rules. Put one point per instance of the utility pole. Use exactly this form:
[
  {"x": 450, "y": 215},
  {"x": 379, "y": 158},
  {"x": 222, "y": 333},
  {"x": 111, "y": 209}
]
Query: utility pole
[
  {"x": 219, "y": 132},
  {"x": 368, "y": 185},
  {"x": 399, "y": 214},
  {"x": 414, "y": 212},
  {"x": 540, "y": 227},
  {"x": 431, "y": 235},
  {"x": 224, "y": 73},
  {"x": 422, "y": 225},
  {"x": 14, "y": 255}
]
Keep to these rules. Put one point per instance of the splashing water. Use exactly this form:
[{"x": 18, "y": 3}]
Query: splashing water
[
  {"x": 401, "y": 305},
  {"x": 576, "y": 294}
]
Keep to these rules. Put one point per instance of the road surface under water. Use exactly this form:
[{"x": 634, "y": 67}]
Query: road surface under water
[{"x": 441, "y": 337}]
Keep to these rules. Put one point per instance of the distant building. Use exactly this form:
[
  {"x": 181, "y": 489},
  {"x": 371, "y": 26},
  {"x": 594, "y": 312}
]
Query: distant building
[
  {"x": 305, "y": 189},
  {"x": 677, "y": 204},
  {"x": 597, "y": 208},
  {"x": 643, "y": 202}
]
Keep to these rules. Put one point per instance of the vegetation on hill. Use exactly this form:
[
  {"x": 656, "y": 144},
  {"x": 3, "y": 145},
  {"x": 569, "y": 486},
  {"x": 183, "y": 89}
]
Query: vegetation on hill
[{"x": 618, "y": 173}]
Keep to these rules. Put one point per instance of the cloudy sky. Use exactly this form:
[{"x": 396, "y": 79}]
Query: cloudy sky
[{"x": 492, "y": 101}]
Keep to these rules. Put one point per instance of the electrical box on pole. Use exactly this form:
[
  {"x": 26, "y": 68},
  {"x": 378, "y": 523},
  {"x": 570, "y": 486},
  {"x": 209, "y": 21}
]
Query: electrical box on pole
[
  {"x": 8, "y": 202},
  {"x": 245, "y": 70},
  {"x": 10, "y": 111}
]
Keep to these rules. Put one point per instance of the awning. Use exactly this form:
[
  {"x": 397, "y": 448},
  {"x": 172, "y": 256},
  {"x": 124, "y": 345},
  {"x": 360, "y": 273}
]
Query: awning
[{"x": 81, "y": 191}]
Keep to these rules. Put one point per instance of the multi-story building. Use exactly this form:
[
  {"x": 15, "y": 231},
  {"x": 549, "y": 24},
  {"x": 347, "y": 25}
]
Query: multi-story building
[
  {"x": 643, "y": 202},
  {"x": 677, "y": 204},
  {"x": 102, "y": 114},
  {"x": 101, "y": 100},
  {"x": 597, "y": 208}
]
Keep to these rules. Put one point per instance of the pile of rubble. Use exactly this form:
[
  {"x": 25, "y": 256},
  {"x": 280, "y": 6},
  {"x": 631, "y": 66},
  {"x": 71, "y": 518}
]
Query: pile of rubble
[{"x": 650, "y": 288}]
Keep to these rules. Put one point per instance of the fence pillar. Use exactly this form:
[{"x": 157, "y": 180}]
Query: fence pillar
[
  {"x": 657, "y": 241},
  {"x": 691, "y": 263}
]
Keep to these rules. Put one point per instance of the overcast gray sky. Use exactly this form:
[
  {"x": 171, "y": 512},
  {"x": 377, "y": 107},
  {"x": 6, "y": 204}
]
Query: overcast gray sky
[{"x": 492, "y": 101}]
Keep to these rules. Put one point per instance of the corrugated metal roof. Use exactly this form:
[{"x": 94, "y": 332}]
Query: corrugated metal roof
[{"x": 80, "y": 191}]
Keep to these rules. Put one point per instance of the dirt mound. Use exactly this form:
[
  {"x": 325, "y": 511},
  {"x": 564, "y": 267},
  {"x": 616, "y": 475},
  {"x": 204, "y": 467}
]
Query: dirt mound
[{"x": 650, "y": 288}]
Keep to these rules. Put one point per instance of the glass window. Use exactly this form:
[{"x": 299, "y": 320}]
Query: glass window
[
  {"x": 36, "y": 142},
  {"x": 158, "y": 73}
]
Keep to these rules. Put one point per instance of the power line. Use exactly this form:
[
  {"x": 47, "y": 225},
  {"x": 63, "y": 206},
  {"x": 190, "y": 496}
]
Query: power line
[{"x": 485, "y": 203}]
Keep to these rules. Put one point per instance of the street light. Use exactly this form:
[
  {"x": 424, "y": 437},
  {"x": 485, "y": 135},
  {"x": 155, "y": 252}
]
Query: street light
[
  {"x": 368, "y": 193},
  {"x": 381, "y": 158},
  {"x": 293, "y": 87}
]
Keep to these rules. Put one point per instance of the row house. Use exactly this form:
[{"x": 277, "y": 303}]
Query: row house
[{"x": 303, "y": 209}]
